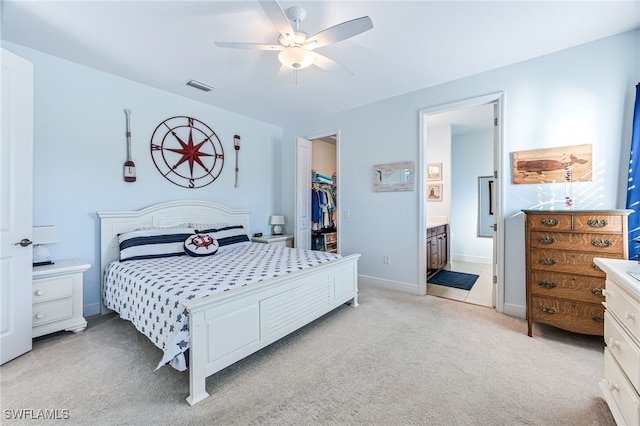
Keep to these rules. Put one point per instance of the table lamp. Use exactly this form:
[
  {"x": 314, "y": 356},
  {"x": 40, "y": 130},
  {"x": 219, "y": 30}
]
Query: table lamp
[
  {"x": 277, "y": 221},
  {"x": 43, "y": 235}
]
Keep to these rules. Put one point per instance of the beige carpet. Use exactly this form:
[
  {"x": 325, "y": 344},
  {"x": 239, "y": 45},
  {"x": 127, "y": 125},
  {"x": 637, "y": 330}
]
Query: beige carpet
[{"x": 397, "y": 359}]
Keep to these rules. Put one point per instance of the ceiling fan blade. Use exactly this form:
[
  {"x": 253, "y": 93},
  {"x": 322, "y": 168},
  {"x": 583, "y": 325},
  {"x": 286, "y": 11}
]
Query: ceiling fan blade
[
  {"x": 279, "y": 19},
  {"x": 340, "y": 32},
  {"x": 252, "y": 46},
  {"x": 327, "y": 64}
]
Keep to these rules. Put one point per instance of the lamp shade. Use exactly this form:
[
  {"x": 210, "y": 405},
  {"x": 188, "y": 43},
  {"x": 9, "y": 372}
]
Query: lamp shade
[
  {"x": 45, "y": 234},
  {"x": 276, "y": 220},
  {"x": 296, "y": 57}
]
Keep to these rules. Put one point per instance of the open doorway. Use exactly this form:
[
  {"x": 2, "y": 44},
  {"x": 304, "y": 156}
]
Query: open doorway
[
  {"x": 317, "y": 195},
  {"x": 460, "y": 147}
]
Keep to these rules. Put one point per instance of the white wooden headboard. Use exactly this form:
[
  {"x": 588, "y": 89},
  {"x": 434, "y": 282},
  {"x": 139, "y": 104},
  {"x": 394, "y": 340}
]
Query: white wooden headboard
[{"x": 164, "y": 214}]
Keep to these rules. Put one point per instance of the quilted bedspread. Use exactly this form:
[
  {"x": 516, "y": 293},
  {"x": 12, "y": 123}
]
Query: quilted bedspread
[{"x": 150, "y": 292}]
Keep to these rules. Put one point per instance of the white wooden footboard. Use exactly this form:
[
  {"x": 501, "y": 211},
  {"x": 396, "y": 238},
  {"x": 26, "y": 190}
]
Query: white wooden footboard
[{"x": 227, "y": 328}]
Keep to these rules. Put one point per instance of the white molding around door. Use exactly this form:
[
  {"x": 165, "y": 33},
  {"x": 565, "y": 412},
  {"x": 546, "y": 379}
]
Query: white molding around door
[{"x": 493, "y": 98}]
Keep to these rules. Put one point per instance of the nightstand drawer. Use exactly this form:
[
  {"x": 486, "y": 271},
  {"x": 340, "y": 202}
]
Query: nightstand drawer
[
  {"x": 52, "y": 289},
  {"x": 54, "y": 310}
]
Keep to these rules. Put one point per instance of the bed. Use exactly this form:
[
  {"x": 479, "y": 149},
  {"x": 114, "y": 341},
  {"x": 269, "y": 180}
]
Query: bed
[{"x": 226, "y": 326}]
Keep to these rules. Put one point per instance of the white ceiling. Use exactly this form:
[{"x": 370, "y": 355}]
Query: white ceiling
[{"x": 413, "y": 45}]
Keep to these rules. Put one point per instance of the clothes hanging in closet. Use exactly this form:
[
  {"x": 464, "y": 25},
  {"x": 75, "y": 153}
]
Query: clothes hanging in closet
[{"x": 323, "y": 207}]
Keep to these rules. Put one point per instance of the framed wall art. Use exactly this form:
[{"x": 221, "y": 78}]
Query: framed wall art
[
  {"x": 434, "y": 192},
  {"x": 548, "y": 165},
  {"x": 434, "y": 171},
  {"x": 393, "y": 176}
]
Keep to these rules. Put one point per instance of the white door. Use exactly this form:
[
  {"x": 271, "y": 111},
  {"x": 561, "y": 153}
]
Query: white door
[
  {"x": 16, "y": 173},
  {"x": 302, "y": 237}
]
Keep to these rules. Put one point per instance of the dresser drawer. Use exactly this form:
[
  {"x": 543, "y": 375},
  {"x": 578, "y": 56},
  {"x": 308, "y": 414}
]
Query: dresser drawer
[
  {"x": 53, "y": 310},
  {"x": 567, "y": 262},
  {"x": 625, "y": 397},
  {"x": 626, "y": 310},
  {"x": 598, "y": 243},
  {"x": 585, "y": 318},
  {"x": 567, "y": 286},
  {"x": 53, "y": 288},
  {"x": 549, "y": 221},
  {"x": 598, "y": 223},
  {"x": 626, "y": 352}
]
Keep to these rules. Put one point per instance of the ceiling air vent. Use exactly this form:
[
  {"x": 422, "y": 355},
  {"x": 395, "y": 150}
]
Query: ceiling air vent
[{"x": 200, "y": 85}]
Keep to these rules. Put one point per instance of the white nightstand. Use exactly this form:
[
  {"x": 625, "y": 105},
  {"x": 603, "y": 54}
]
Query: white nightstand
[
  {"x": 284, "y": 240},
  {"x": 57, "y": 297}
]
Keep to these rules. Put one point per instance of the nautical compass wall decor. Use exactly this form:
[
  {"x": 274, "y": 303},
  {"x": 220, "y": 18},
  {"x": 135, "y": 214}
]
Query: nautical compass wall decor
[{"x": 187, "y": 152}]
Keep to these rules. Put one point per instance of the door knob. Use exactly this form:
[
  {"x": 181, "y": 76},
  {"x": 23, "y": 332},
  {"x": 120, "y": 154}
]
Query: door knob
[{"x": 25, "y": 242}]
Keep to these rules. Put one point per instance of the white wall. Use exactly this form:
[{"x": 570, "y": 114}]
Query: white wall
[
  {"x": 323, "y": 157},
  {"x": 438, "y": 150},
  {"x": 582, "y": 95},
  {"x": 80, "y": 149},
  {"x": 472, "y": 157}
]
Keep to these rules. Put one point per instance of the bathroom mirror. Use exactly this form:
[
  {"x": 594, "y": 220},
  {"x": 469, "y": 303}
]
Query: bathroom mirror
[{"x": 485, "y": 206}]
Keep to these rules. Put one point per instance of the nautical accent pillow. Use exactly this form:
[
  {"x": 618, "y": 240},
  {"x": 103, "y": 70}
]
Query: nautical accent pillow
[
  {"x": 152, "y": 243},
  {"x": 229, "y": 237},
  {"x": 201, "y": 244}
]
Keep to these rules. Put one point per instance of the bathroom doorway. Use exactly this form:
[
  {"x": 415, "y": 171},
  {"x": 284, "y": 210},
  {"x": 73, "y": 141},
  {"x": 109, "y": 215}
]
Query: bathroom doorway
[{"x": 462, "y": 143}]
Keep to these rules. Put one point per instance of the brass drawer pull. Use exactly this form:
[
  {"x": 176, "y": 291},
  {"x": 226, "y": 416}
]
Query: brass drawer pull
[
  {"x": 549, "y": 222},
  {"x": 597, "y": 318},
  {"x": 598, "y": 291},
  {"x": 548, "y": 309},
  {"x": 596, "y": 267},
  {"x": 547, "y": 240},
  {"x": 597, "y": 223},
  {"x": 601, "y": 243},
  {"x": 547, "y": 261},
  {"x": 547, "y": 284}
]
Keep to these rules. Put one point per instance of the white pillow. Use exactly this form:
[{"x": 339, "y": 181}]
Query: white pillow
[{"x": 203, "y": 226}]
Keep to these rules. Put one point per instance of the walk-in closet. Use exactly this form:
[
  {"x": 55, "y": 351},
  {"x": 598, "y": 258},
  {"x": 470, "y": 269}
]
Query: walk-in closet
[{"x": 324, "y": 195}]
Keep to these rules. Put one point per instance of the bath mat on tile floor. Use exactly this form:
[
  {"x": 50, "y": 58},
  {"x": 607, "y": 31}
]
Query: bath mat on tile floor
[{"x": 453, "y": 279}]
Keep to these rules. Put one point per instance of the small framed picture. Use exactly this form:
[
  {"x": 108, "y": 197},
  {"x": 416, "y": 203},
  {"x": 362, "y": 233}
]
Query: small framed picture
[
  {"x": 434, "y": 171},
  {"x": 434, "y": 192}
]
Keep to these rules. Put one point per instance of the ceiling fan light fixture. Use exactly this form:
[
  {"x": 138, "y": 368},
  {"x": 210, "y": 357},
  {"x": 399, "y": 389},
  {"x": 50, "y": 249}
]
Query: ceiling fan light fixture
[{"x": 296, "y": 57}]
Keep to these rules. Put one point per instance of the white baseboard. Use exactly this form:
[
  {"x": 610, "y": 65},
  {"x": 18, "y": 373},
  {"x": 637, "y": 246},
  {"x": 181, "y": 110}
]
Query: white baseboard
[
  {"x": 365, "y": 280},
  {"x": 515, "y": 311},
  {"x": 473, "y": 259}
]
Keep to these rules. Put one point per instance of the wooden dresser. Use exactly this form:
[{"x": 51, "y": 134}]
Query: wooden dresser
[
  {"x": 564, "y": 286},
  {"x": 621, "y": 384}
]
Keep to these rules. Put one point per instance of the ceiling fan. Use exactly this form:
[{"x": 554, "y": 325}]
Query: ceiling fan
[{"x": 297, "y": 49}]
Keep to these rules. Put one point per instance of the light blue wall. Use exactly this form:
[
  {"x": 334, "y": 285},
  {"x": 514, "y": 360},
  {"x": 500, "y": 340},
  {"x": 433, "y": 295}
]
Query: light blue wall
[
  {"x": 577, "y": 96},
  {"x": 582, "y": 95},
  {"x": 80, "y": 149},
  {"x": 471, "y": 157}
]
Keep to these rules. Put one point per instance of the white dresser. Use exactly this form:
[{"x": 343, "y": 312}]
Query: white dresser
[
  {"x": 621, "y": 384},
  {"x": 57, "y": 297}
]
